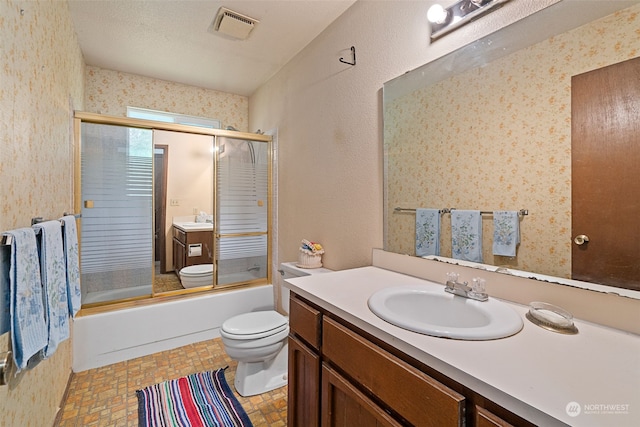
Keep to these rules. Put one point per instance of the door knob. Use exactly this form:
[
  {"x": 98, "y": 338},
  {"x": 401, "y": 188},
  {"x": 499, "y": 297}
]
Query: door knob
[{"x": 581, "y": 239}]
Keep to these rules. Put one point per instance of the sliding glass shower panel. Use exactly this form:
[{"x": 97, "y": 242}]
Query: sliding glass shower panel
[
  {"x": 242, "y": 210},
  {"x": 117, "y": 212}
]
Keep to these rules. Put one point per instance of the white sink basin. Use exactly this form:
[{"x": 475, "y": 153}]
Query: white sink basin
[
  {"x": 194, "y": 225},
  {"x": 440, "y": 314}
]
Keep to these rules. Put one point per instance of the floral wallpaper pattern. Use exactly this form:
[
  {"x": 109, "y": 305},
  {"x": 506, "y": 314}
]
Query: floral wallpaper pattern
[
  {"x": 504, "y": 145},
  {"x": 111, "y": 92},
  {"x": 41, "y": 83}
]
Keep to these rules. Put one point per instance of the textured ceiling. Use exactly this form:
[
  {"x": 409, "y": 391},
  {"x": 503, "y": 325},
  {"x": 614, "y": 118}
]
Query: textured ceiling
[{"x": 169, "y": 39}]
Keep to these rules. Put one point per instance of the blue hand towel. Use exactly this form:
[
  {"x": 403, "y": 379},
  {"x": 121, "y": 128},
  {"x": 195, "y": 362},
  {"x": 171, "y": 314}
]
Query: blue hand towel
[
  {"x": 70, "y": 241},
  {"x": 28, "y": 327},
  {"x": 54, "y": 283},
  {"x": 506, "y": 233},
  {"x": 466, "y": 235},
  {"x": 5, "y": 290},
  {"x": 427, "y": 232}
]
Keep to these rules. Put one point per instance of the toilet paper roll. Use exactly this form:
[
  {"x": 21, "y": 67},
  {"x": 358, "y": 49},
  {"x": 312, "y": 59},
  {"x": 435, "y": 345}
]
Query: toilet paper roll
[{"x": 195, "y": 250}]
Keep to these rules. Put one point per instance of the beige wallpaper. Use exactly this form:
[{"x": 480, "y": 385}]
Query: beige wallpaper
[
  {"x": 501, "y": 137},
  {"x": 111, "y": 92},
  {"x": 41, "y": 83}
]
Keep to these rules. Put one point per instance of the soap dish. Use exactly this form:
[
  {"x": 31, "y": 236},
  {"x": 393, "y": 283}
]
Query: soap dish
[{"x": 551, "y": 317}]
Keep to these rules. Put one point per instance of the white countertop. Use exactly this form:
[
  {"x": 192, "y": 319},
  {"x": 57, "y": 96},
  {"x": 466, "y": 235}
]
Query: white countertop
[
  {"x": 536, "y": 373},
  {"x": 193, "y": 226}
]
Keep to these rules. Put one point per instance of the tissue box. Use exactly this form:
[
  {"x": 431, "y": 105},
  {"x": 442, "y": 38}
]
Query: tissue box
[{"x": 308, "y": 259}]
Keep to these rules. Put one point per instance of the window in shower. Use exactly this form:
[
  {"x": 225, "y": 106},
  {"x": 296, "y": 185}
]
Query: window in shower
[
  {"x": 116, "y": 233},
  {"x": 163, "y": 116}
]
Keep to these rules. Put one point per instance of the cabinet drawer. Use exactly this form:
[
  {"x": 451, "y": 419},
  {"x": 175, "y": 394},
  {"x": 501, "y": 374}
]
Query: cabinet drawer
[
  {"x": 304, "y": 321},
  {"x": 412, "y": 394},
  {"x": 180, "y": 235}
]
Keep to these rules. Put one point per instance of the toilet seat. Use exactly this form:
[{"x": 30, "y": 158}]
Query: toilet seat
[
  {"x": 254, "y": 325},
  {"x": 197, "y": 270}
]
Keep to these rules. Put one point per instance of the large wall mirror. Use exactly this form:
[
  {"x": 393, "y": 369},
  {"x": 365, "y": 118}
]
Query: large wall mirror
[{"x": 488, "y": 127}]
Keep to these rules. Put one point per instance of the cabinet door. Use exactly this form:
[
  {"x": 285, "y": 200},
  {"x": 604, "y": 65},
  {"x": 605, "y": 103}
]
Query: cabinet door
[
  {"x": 485, "y": 418},
  {"x": 179, "y": 255},
  {"x": 205, "y": 239},
  {"x": 304, "y": 385},
  {"x": 343, "y": 405}
]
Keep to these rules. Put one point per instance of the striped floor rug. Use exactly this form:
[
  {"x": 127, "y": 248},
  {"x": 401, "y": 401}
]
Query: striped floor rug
[{"x": 198, "y": 400}]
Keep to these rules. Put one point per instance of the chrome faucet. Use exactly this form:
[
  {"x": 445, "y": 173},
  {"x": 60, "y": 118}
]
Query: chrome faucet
[{"x": 476, "y": 291}]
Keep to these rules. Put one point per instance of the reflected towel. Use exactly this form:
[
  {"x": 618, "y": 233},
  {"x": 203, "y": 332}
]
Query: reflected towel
[
  {"x": 70, "y": 243},
  {"x": 506, "y": 233},
  {"x": 427, "y": 232},
  {"x": 5, "y": 289},
  {"x": 54, "y": 284},
  {"x": 28, "y": 327},
  {"x": 466, "y": 235}
]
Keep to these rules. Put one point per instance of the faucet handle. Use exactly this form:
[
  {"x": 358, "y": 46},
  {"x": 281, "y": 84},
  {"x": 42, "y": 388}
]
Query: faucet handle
[
  {"x": 478, "y": 285},
  {"x": 452, "y": 277}
]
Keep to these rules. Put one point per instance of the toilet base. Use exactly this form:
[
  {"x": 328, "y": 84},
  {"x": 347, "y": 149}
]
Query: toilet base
[{"x": 254, "y": 378}]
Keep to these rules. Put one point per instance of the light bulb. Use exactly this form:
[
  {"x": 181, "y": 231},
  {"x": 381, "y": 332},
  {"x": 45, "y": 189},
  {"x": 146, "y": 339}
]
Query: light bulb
[{"x": 437, "y": 14}]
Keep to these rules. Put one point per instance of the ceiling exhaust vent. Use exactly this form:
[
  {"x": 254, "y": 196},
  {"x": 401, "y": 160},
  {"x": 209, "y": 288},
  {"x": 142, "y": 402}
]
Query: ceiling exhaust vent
[{"x": 232, "y": 24}]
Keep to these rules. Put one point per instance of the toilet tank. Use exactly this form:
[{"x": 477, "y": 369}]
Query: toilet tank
[{"x": 290, "y": 270}]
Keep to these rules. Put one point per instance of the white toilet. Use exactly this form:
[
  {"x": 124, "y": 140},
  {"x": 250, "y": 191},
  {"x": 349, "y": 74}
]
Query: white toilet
[
  {"x": 258, "y": 341},
  {"x": 197, "y": 275}
]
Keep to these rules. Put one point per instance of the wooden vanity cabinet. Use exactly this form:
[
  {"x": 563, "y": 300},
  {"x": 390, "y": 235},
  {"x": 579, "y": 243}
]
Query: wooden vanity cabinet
[
  {"x": 304, "y": 365},
  {"x": 338, "y": 377},
  {"x": 181, "y": 242}
]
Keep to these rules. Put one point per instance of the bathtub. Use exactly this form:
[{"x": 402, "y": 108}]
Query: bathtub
[{"x": 106, "y": 338}]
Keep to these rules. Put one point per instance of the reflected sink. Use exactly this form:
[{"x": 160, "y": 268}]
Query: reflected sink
[
  {"x": 194, "y": 225},
  {"x": 427, "y": 311}
]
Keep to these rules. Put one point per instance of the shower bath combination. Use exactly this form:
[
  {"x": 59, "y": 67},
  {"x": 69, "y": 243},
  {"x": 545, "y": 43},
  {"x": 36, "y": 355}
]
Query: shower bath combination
[{"x": 128, "y": 213}]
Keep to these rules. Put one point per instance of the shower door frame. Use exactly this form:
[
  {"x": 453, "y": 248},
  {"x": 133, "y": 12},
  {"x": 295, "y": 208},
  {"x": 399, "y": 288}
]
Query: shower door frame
[{"x": 81, "y": 117}]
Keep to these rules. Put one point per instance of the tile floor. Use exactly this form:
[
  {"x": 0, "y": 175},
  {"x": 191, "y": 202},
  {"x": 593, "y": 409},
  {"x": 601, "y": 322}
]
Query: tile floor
[{"x": 107, "y": 396}]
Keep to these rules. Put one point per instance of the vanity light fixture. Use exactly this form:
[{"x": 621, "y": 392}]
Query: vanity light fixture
[{"x": 444, "y": 20}]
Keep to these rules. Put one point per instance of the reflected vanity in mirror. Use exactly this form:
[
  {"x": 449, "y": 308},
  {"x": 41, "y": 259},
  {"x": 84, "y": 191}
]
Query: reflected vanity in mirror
[{"x": 488, "y": 127}]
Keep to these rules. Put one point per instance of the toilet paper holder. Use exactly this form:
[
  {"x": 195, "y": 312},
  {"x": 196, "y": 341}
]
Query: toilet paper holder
[{"x": 195, "y": 249}]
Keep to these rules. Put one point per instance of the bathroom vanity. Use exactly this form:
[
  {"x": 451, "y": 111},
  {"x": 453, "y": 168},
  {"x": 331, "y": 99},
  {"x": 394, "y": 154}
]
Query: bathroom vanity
[
  {"x": 192, "y": 244},
  {"x": 348, "y": 367}
]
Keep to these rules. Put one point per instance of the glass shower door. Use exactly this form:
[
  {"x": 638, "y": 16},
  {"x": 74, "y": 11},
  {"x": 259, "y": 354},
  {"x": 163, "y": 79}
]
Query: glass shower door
[
  {"x": 242, "y": 211},
  {"x": 116, "y": 236}
]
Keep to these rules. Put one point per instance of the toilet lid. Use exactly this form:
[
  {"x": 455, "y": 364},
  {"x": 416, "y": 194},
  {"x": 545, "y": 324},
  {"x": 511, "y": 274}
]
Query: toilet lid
[
  {"x": 197, "y": 270},
  {"x": 261, "y": 323}
]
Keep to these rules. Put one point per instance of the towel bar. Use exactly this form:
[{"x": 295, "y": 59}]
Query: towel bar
[
  {"x": 7, "y": 240},
  {"x": 5, "y": 366},
  {"x": 521, "y": 212}
]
